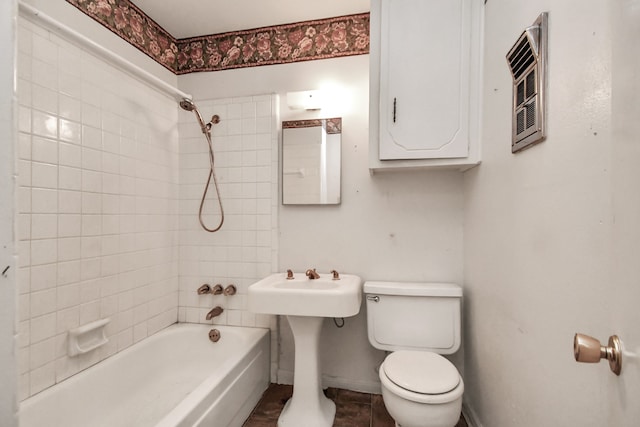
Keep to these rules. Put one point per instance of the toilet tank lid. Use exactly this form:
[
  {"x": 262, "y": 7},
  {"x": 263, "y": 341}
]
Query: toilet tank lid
[{"x": 431, "y": 289}]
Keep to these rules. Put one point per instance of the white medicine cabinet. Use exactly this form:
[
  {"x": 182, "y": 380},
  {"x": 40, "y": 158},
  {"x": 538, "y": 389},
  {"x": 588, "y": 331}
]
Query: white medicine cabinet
[{"x": 425, "y": 84}]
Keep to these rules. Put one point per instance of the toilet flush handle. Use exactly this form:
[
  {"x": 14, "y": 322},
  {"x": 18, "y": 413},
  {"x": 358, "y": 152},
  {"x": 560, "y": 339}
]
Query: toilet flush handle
[
  {"x": 587, "y": 349},
  {"x": 374, "y": 298}
]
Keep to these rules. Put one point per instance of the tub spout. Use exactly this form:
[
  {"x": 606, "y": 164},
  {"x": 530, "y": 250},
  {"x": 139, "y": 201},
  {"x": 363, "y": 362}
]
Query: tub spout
[
  {"x": 216, "y": 311},
  {"x": 312, "y": 274}
]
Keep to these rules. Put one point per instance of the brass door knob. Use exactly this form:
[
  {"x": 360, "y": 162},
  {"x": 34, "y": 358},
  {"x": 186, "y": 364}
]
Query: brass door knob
[{"x": 587, "y": 349}]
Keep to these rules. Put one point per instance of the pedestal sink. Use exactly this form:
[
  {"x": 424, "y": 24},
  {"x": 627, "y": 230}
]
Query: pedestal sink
[{"x": 306, "y": 302}]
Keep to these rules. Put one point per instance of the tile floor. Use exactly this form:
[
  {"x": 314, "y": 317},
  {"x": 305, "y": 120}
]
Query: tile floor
[{"x": 353, "y": 409}]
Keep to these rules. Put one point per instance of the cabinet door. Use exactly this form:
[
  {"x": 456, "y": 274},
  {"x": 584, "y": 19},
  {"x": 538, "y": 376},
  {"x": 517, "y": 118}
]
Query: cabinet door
[{"x": 424, "y": 79}]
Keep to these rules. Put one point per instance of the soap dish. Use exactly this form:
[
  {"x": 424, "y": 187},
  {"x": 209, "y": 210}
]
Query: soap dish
[{"x": 87, "y": 337}]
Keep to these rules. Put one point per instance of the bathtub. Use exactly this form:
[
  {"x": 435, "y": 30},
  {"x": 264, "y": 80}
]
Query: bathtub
[{"x": 176, "y": 377}]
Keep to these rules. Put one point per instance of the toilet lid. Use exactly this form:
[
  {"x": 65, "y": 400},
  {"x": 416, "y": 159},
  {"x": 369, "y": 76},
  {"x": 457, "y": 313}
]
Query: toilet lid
[{"x": 421, "y": 372}]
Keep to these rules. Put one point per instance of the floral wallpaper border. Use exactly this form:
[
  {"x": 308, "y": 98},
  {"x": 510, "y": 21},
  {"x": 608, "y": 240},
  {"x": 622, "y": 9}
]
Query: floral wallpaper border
[
  {"x": 280, "y": 44},
  {"x": 304, "y": 41},
  {"x": 130, "y": 23}
]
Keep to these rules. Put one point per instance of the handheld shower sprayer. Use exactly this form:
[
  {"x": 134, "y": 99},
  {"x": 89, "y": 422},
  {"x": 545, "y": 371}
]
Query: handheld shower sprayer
[{"x": 188, "y": 105}]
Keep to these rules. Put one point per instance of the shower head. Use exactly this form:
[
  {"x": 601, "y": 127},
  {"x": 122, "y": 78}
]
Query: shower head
[{"x": 188, "y": 105}]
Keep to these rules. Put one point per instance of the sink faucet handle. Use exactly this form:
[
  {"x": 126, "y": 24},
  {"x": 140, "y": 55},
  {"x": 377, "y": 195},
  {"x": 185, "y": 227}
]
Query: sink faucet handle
[
  {"x": 289, "y": 274},
  {"x": 336, "y": 275}
]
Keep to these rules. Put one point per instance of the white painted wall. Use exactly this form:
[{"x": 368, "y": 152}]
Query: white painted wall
[
  {"x": 551, "y": 233},
  {"x": 8, "y": 122},
  {"x": 400, "y": 226}
]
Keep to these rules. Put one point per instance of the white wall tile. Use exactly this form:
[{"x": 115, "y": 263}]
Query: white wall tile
[
  {"x": 24, "y": 119},
  {"x": 44, "y": 74},
  {"x": 44, "y": 175},
  {"x": 44, "y": 49},
  {"x": 70, "y": 131},
  {"x": 96, "y": 197},
  {"x": 69, "y": 249},
  {"x": 24, "y": 148},
  {"x": 69, "y": 178},
  {"x": 44, "y": 226},
  {"x": 44, "y": 251},
  {"x": 44, "y": 99},
  {"x": 43, "y": 328},
  {"x": 43, "y": 124},
  {"x": 42, "y": 302},
  {"x": 68, "y": 297},
  {"x": 69, "y": 108},
  {"x": 68, "y": 85},
  {"x": 42, "y": 277},
  {"x": 44, "y": 200}
]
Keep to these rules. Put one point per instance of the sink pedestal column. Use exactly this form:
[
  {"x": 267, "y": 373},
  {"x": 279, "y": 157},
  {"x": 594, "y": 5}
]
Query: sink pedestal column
[{"x": 308, "y": 406}]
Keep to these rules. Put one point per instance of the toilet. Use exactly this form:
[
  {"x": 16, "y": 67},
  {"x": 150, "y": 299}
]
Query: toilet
[{"x": 417, "y": 323}]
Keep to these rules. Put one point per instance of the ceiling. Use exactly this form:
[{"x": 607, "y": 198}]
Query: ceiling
[{"x": 190, "y": 18}]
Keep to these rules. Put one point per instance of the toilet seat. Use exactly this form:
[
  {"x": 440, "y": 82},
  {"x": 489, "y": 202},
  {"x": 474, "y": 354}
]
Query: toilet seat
[{"x": 423, "y": 377}]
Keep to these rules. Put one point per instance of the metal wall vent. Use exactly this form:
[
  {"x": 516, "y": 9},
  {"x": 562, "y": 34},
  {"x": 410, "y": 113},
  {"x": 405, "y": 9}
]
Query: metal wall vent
[{"x": 527, "y": 62}]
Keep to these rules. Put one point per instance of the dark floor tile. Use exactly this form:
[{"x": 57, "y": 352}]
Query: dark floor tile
[
  {"x": 331, "y": 393},
  {"x": 462, "y": 422},
  {"x": 353, "y": 409},
  {"x": 352, "y": 415},
  {"x": 348, "y": 396},
  {"x": 253, "y": 422},
  {"x": 268, "y": 409}
]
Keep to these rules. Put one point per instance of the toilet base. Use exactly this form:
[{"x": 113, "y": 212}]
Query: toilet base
[{"x": 407, "y": 413}]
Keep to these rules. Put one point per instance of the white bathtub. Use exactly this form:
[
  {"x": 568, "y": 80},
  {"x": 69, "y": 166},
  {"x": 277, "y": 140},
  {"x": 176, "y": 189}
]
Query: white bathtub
[{"x": 176, "y": 377}]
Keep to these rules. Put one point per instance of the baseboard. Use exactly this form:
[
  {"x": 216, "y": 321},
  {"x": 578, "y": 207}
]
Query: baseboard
[
  {"x": 373, "y": 387},
  {"x": 470, "y": 415}
]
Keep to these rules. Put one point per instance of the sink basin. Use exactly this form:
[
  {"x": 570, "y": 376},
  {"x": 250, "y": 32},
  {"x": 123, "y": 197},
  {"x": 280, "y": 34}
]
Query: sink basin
[{"x": 301, "y": 296}]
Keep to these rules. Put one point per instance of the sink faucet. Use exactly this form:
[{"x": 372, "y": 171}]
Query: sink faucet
[{"x": 312, "y": 274}]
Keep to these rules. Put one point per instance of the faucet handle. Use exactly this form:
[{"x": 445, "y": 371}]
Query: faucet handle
[
  {"x": 204, "y": 289},
  {"x": 336, "y": 275},
  {"x": 289, "y": 274}
]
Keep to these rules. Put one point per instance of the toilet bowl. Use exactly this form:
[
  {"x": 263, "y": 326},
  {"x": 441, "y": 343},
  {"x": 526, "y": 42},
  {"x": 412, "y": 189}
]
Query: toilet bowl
[
  {"x": 421, "y": 389},
  {"x": 417, "y": 322}
]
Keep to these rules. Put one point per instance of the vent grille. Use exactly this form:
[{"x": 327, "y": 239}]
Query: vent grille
[
  {"x": 522, "y": 58},
  {"x": 520, "y": 125},
  {"x": 527, "y": 62}
]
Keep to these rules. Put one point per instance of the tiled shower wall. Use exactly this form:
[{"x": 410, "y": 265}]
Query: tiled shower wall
[
  {"x": 245, "y": 249},
  {"x": 97, "y": 218}
]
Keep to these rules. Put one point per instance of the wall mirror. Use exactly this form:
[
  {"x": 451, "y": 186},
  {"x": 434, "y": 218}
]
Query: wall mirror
[{"x": 311, "y": 157}]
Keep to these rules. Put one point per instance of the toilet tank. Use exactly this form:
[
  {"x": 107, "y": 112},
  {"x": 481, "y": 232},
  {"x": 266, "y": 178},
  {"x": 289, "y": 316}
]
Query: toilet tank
[{"x": 414, "y": 316}]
